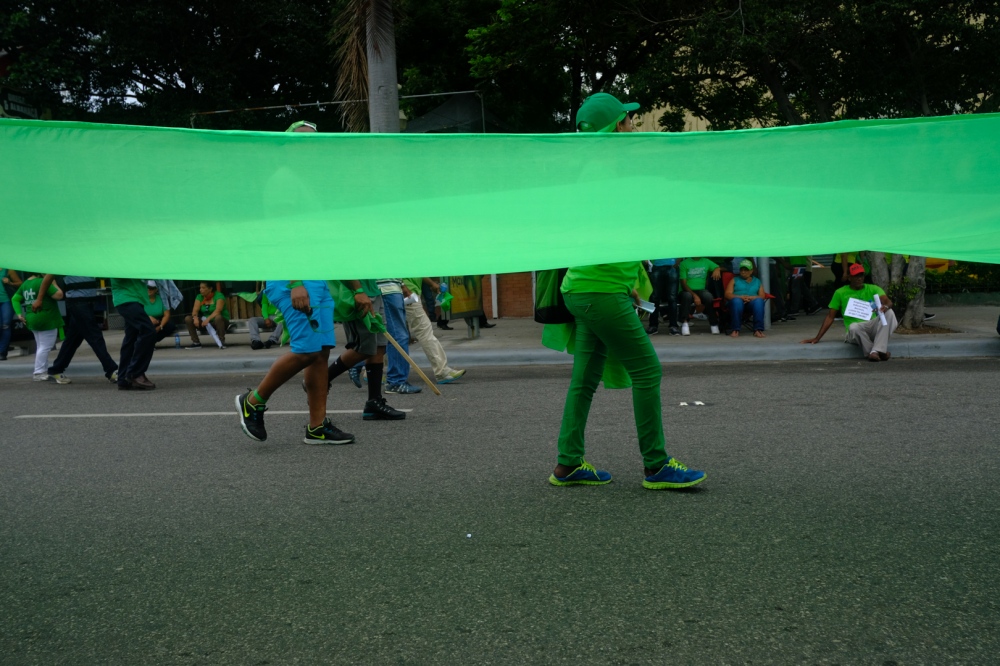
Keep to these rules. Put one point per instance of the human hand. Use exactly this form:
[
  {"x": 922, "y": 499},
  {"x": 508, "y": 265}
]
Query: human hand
[
  {"x": 810, "y": 341},
  {"x": 300, "y": 300},
  {"x": 36, "y": 305},
  {"x": 362, "y": 303},
  {"x": 697, "y": 301},
  {"x": 268, "y": 322}
]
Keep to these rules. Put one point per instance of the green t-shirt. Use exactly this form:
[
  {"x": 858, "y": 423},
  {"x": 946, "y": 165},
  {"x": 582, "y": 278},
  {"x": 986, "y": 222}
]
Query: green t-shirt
[
  {"x": 414, "y": 284},
  {"x": 267, "y": 309},
  {"x": 127, "y": 290},
  {"x": 696, "y": 271},
  {"x": 207, "y": 308},
  {"x": 154, "y": 309},
  {"x": 45, "y": 319},
  {"x": 602, "y": 278},
  {"x": 841, "y": 297}
]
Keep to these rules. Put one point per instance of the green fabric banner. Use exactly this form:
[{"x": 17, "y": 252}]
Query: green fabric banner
[{"x": 123, "y": 201}]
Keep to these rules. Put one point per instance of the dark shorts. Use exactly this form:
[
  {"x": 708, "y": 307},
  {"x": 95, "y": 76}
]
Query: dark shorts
[{"x": 359, "y": 338}]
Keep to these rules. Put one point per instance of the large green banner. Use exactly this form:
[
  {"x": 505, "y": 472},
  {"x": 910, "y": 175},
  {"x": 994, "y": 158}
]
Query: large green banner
[{"x": 150, "y": 202}]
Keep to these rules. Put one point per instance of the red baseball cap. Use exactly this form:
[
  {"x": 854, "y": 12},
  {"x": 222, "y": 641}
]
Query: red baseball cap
[{"x": 856, "y": 269}]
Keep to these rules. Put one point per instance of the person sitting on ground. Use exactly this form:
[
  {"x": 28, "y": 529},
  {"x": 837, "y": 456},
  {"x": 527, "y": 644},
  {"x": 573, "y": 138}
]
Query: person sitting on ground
[
  {"x": 159, "y": 314},
  {"x": 44, "y": 323},
  {"x": 266, "y": 320},
  {"x": 746, "y": 290},
  {"x": 856, "y": 298},
  {"x": 209, "y": 308},
  {"x": 694, "y": 273}
]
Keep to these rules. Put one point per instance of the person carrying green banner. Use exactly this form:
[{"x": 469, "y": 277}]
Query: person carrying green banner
[{"x": 601, "y": 298}]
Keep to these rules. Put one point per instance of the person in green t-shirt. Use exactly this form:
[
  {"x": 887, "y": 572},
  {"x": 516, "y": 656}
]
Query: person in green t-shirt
[
  {"x": 210, "y": 308},
  {"x": 159, "y": 315},
  {"x": 44, "y": 323},
  {"x": 870, "y": 333},
  {"x": 694, "y": 273},
  {"x": 602, "y": 299}
]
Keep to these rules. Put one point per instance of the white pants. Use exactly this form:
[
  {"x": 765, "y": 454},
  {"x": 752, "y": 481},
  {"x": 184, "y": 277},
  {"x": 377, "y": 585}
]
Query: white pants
[
  {"x": 421, "y": 331},
  {"x": 871, "y": 335},
  {"x": 44, "y": 342}
]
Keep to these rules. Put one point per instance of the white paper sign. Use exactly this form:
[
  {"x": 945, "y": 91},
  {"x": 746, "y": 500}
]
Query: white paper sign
[{"x": 858, "y": 309}]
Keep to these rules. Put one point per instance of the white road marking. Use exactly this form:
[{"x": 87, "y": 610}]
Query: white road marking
[
  {"x": 158, "y": 414},
  {"x": 699, "y": 402}
]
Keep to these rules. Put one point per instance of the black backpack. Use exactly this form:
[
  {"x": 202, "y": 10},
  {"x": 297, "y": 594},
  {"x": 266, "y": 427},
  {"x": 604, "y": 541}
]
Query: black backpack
[{"x": 550, "y": 308}]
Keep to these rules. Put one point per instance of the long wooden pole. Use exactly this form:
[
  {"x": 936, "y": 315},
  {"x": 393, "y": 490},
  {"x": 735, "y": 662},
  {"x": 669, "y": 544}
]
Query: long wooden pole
[{"x": 412, "y": 363}]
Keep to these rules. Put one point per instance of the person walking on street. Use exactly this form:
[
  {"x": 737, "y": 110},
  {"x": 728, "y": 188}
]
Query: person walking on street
[
  {"x": 43, "y": 322},
  {"x": 81, "y": 298},
  {"x": 602, "y": 299},
  {"x": 308, "y": 313},
  {"x": 129, "y": 297}
]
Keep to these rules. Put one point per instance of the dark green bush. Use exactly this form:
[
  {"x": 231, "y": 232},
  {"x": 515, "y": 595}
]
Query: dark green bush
[{"x": 966, "y": 276}]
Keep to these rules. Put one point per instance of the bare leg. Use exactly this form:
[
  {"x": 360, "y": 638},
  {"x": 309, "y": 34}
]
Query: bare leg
[
  {"x": 316, "y": 388},
  {"x": 284, "y": 368}
]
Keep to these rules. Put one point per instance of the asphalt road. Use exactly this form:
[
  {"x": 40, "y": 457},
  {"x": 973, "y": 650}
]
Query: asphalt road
[{"x": 850, "y": 516}]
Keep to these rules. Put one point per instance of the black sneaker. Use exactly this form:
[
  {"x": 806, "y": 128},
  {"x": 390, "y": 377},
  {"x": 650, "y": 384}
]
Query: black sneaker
[
  {"x": 251, "y": 417},
  {"x": 256, "y": 344},
  {"x": 928, "y": 316},
  {"x": 652, "y": 330},
  {"x": 195, "y": 345},
  {"x": 377, "y": 410},
  {"x": 327, "y": 433},
  {"x": 271, "y": 343}
]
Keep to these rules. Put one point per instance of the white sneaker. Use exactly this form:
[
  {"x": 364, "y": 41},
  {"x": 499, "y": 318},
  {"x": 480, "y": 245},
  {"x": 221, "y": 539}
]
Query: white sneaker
[
  {"x": 700, "y": 315},
  {"x": 43, "y": 378},
  {"x": 685, "y": 329},
  {"x": 715, "y": 330},
  {"x": 61, "y": 379}
]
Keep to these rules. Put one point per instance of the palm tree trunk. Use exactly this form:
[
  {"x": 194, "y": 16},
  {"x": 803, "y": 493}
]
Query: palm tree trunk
[{"x": 383, "y": 90}]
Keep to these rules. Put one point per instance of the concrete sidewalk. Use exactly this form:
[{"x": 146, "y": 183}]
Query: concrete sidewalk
[{"x": 967, "y": 331}]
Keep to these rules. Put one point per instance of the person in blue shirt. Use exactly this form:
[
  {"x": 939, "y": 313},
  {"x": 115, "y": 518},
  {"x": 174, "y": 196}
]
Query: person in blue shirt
[{"x": 746, "y": 291}]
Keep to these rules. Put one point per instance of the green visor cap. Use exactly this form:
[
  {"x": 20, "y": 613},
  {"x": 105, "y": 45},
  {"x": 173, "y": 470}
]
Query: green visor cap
[{"x": 601, "y": 112}]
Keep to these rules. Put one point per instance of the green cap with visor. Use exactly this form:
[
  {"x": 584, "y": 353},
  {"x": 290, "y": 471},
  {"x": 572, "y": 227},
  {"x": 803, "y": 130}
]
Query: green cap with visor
[
  {"x": 301, "y": 123},
  {"x": 602, "y": 112}
]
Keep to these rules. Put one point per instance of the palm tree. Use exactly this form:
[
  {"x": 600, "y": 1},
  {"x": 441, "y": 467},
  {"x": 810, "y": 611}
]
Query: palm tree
[{"x": 366, "y": 59}]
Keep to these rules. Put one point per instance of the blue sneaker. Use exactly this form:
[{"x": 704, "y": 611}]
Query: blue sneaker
[
  {"x": 355, "y": 375},
  {"x": 584, "y": 475},
  {"x": 672, "y": 475},
  {"x": 403, "y": 388}
]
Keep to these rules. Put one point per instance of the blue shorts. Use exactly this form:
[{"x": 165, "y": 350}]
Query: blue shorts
[{"x": 309, "y": 333}]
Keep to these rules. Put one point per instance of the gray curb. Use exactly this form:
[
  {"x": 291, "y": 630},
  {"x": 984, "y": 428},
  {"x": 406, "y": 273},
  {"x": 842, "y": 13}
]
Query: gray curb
[{"x": 825, "y": 351}]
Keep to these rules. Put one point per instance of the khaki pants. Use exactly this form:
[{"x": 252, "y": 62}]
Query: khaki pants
[
  {"x": 421, "y": 331},
  {"x": 871, "y": 335}
]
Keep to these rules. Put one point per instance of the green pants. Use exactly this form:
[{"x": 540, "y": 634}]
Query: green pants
[{"x": 607, "y": 323}]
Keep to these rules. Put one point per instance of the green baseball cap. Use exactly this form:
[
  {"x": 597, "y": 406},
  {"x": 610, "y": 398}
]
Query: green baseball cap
[
  {"x": 601, "y": 112},
  {"x": 301, "y": 123},
  {"x": 747, "y": 264}
]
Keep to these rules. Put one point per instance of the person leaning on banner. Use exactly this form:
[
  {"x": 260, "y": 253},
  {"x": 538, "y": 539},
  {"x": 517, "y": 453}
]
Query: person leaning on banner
[
  {"x": 858, "y": 298},
  {"x": 602, "y": 300}
]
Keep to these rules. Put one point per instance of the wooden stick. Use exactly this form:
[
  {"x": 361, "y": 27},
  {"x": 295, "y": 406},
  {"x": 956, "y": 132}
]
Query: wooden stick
[{"x": 412, "y": 363}]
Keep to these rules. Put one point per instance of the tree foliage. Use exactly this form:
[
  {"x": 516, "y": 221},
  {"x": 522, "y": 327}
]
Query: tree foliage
[{"x": 157, "y": 62}]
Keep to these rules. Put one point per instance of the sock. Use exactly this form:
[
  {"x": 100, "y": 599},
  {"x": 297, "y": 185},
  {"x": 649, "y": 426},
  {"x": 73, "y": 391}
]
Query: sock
[
  {"x": 374, "y": 380},
  {"x": 336, "y": 369},
  {"x": 256, "y": 396}
]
